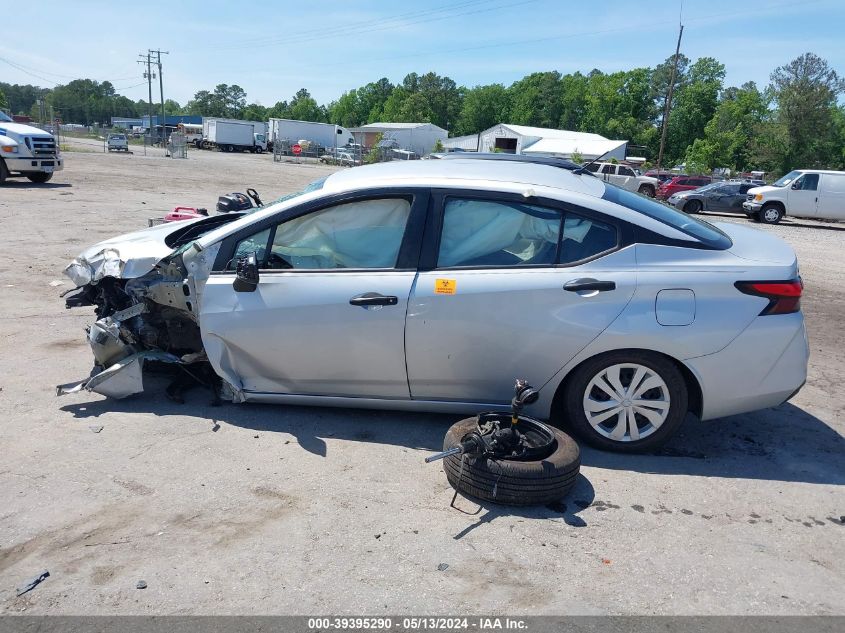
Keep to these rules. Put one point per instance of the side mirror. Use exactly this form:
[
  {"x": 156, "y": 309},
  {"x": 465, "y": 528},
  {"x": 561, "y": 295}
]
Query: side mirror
[
  {"x": 246, "y": 273},
  {"x": 794, "y": 185}
]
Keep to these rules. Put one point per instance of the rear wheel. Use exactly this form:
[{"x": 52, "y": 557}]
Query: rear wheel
[
  {"x": 647, "y": 190},
  {"x": 626, "y": 401},
  {"x": 693, "y": 206},
  {"x": 40, "y": 177},
  {"x": 771, "y": 214}
]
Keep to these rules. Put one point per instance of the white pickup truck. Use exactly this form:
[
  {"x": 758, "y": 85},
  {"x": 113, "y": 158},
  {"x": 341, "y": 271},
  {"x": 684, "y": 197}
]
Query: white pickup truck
[
  {"x": 625, "y": 177},
  {"x": 27, "y": 151}
]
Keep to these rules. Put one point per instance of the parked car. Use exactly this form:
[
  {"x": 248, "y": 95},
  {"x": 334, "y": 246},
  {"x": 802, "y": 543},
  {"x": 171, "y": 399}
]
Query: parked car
[
  {"x": 662, "y": 176},
  {"x": 625, "y": 177},
  {"x": 117, "y": 143},
  {"x": 803, "y": 193},
  {"x": 431, "y": 285},
  {"x": 726, "y": 197},
  {"x": 681, "y": 183}
]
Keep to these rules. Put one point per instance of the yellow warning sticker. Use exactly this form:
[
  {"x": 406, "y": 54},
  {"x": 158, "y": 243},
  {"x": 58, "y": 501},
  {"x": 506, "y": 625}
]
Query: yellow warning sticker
[{"x": 445, "y": 286}]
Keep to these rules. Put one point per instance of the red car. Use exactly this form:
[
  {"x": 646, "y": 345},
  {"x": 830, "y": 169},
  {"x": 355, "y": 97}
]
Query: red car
[{"x": 681, "y": 183}]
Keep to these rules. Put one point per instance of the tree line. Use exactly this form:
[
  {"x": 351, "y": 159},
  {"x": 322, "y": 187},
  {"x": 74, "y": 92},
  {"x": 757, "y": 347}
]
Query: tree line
[{"x": 794, "y": 121}]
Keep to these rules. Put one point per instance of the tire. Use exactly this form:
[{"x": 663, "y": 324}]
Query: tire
[
  {"x": 512, "y": 482},
  {"x": 667, "y": 400},
  {"x": 40, "y": 177},
  {"x": 771, "y": 214},
  {"x": 647, "y": 190},
  {"x": 4, "y": 171},
  {"x": 259, "y": 150},
  {"x": 692, "y": 207}
]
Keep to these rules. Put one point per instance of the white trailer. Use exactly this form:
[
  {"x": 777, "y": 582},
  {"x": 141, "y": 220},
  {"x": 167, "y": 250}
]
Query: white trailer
[
  {"x": 325, "y": 135},
  {"x": 230, "y": 135}
]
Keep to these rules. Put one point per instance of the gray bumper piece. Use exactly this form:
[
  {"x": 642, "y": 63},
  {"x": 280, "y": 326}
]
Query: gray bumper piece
[{"x": 121, "y": 379}]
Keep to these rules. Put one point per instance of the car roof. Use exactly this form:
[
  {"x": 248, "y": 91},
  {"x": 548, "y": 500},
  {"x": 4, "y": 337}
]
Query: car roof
[
  {"x": 513, "y": 158},
  {"x": 474, "y": 172}
]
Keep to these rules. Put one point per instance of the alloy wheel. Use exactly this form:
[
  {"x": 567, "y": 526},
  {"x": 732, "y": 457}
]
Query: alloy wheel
[{"x": 626, "y": 402}]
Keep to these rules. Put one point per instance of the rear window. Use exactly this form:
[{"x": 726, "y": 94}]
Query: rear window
[{"x": 703, "y": 231}]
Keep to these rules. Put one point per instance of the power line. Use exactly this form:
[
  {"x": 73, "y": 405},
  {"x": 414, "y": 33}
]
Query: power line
[{"x": 371, "y": 26}]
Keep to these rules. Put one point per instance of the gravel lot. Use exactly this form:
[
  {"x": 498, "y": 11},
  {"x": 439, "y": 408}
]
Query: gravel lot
[{"x": 250, "y": 509}]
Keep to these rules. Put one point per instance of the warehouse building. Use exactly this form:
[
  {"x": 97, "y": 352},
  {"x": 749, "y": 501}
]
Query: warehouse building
[
  {"x": 416, "y": 137},
  {"x": 522, "y": 139}
]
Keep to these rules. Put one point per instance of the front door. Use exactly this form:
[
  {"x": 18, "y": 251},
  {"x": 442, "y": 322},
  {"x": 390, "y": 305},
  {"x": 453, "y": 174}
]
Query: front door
[
  {"x": 507, "y": 298},
  {"x": 803, "y": 196},
  {"x": 328, "y": 314}
]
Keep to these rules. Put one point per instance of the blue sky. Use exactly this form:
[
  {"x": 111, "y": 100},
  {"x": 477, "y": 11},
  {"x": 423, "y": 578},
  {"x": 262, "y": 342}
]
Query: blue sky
[{"x": 271, "y": 49}]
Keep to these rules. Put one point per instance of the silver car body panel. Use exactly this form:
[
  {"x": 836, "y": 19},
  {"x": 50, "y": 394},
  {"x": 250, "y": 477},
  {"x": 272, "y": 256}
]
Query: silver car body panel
[{"x": 297, "y": 339}]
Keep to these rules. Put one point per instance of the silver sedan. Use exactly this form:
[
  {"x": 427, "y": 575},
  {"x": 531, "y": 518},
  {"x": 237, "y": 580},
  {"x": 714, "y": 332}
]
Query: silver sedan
[{"x": 431, "y": 285}]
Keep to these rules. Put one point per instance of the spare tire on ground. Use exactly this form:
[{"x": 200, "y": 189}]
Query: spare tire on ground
[{"x": 511, "y": 482}]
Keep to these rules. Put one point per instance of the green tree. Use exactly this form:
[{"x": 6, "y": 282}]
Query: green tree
[
  {"x": 172, "y": 106},
  {"x": 535, "y": 100},
  {"x": 696, "y": 103},
  {"x": 4, "y": 103},
  {"x": 805, "y": 91},
  {"x": 255, "y": 112},
  {"x": 303, "y": 107},
  {"x": 483, "y": 107}
]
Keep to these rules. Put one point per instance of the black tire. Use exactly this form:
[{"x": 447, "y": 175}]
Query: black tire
[
  {"x": 771, "y": 214},
  {"x": 647, "y": 190},
  {"x": 512, "y": 482},
  {"x": 259, "y": 149},
  {"x": 693, "y": 206},
  {"x": 4, "y": 171},
  {"x": 40, "y": 177},
  {"x": 569, "y": 409}
]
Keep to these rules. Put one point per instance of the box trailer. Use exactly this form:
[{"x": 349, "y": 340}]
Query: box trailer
[
  {"x": 325, "y": 135},
  {"x": 232, "y": 135}
]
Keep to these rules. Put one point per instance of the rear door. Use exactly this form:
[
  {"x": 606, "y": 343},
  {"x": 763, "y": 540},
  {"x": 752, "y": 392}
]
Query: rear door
[
  {"x": 803, "y": 196},
  {"x": 328, "y": 314},
  {"x": 509, "y": 289},
  {"x": 724, "y": 197}
]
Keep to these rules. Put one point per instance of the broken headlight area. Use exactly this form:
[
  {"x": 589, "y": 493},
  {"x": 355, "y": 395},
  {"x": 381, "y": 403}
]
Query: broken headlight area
[{"x": 148, "y": 319}]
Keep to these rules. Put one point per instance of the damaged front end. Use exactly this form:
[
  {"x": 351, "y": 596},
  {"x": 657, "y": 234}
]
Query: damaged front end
[{"x": 142, "y": 317}]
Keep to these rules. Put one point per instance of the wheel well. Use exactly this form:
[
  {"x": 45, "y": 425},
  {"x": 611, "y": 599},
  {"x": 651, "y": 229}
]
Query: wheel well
[
  {"x": 693, "y": 387},
  {"x": 775, "y": 203}
]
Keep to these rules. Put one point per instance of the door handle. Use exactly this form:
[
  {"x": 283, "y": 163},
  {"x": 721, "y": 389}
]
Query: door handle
[
  {"x": 373, "y": 299},
  {"x": 577, "y": 285}
]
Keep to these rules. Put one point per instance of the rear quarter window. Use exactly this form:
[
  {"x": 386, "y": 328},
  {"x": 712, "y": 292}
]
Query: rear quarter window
[{"x": 702, "y": 231}]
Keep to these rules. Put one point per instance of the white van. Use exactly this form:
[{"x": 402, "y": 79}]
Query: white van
[{"x": 803, "y": 193}]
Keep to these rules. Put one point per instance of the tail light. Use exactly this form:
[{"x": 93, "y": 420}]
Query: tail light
[{"x": 784, "y": 296}]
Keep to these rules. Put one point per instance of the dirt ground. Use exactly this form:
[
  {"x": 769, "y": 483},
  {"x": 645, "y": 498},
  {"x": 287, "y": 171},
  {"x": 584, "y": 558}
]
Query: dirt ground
[{"x": 250, "y": 509}]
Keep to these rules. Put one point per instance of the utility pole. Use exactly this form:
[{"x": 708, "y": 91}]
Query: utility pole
[
  {"x": 148, "y": 75},
  {"x": 161, "y": 92},
  {"x": 668, "y": 105}
]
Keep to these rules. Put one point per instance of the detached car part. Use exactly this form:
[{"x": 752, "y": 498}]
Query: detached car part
[{"x": 509, "y": 458}]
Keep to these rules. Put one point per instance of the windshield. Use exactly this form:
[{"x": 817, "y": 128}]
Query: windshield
[
  {"x": 5, "y": 117},
  {"x": 703, "y": 231},
  {"x": 314, "y": 186},
  {"x": 783, "y": 181}
]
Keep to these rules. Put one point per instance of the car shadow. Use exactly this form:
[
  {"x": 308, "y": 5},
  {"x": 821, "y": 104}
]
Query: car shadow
[
  {"x": 15, "y": 183},
  {"x": 579, "y": 498},
  {"x": 781, "y": 444}
]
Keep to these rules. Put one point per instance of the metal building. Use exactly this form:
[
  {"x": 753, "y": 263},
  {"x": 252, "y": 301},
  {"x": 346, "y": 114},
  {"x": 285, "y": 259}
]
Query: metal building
[
  {"x": 416, "y": 137},
  {"x": 522, "y": 139}
]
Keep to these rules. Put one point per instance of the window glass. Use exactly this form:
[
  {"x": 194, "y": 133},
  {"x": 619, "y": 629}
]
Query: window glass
[
  {"x": 364, "y": 234},
  {"x": 608, "y": 169},
  {"x": 256, "y": 243},
  {"x": 583, "y": 238},
  {"x": 785, "y": 180},
  {"x": 493, "y": 233},
  {"x": 682, "y": 181},
  {"x": 808, "y": 182},
  {"x": 593, "y": 167},
  {"x": 626, "y": 171},
  {"x": 729, "y": 190},
  {"x": 703, "y": 231}
]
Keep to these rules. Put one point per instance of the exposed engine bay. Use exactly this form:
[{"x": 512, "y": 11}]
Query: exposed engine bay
[{"x": 147, "y": 309}]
